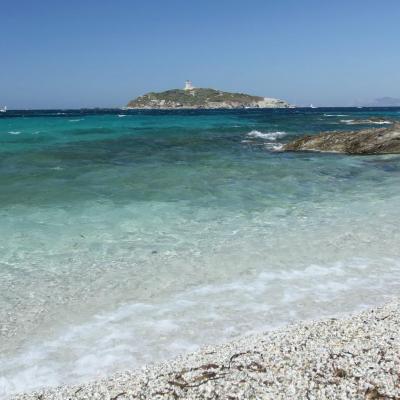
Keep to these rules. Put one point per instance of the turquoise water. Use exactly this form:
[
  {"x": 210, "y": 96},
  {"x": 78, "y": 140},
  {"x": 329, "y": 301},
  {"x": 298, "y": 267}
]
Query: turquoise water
[{"x": 128, "y": 237}]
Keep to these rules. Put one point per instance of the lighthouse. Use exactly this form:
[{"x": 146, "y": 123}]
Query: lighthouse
[{"x": 188, "y": 85}]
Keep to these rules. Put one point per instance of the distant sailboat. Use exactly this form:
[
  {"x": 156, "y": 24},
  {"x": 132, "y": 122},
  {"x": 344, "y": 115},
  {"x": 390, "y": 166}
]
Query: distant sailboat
[
  {"x": 4, "y": 109},
  {"x": 312, "y": 106}
]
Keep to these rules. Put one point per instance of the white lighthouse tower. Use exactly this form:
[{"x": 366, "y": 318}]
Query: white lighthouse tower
[{"x": 188, "y": 85}]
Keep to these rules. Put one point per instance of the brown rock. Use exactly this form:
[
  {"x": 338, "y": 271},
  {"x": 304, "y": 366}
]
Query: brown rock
[{"x": 366, "y": 141}]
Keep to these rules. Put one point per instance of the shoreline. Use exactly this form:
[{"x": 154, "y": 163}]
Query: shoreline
[{"x": 357, "y": 357}]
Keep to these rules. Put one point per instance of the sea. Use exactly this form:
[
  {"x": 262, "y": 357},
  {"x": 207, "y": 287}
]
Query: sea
[{"x": 129, "y": 237}]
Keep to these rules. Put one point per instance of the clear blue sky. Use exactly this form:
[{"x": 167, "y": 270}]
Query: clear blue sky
[{"x": 86, "y": 53}]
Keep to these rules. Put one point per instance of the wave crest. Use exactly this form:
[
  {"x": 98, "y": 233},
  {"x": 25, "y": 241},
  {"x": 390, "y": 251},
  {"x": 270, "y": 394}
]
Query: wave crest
[{"x": 267, "y": 135}]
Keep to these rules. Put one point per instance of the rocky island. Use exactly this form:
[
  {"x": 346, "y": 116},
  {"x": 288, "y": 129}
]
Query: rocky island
[
  {"x": 365, "y": 141},
  {"x": 202, "y": 98}
]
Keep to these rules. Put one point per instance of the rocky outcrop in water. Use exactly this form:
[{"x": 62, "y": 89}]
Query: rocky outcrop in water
[{"x": 366, "y": 141}]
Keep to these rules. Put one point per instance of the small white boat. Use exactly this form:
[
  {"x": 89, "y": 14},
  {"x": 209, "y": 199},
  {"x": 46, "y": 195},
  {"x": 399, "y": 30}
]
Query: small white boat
[
  {"x": 4, "y": 109},
  {"x": 312, "y": 106}
]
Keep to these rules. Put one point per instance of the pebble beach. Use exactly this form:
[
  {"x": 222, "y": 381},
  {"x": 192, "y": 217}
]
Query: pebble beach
[{"x": 356, "y": 357}]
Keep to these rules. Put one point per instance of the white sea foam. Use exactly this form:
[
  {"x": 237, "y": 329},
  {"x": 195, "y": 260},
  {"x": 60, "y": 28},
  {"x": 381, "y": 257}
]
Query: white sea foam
[
  {"x": 335, "y": 115},
  {"x": 14, "y": 132},
  {"x": 364, "y": 121},
  {"x": 380, "y": 122},
  {"x": 274, "y": 146},
  {"x": 75, "y": 120},
  {"x": 267, "y": 135},
  {"x": 122, "y": 115}
]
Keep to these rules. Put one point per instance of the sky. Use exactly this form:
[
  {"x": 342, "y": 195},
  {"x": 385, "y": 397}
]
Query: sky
[{"x": 97, "y": 53}]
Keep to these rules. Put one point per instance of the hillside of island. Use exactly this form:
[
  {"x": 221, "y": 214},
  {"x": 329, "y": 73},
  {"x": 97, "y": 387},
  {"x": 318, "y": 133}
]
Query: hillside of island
[{"x": 203, "y": 98}]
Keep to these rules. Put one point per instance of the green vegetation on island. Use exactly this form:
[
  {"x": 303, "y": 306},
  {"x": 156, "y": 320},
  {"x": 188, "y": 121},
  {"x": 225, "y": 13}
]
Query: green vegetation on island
[{"x": 203, "y": 98}]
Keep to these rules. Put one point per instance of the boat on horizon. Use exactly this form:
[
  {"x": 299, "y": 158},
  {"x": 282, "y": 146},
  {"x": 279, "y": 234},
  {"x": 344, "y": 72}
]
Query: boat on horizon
[
  {"x": 312, "y": 106},
  {"x": 4, "y": 109}
]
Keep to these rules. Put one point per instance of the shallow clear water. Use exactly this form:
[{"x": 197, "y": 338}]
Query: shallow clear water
[{"x": 129, "y": 237}]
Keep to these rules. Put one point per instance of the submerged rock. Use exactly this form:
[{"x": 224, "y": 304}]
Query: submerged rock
[{"x": 366, "y": 141}]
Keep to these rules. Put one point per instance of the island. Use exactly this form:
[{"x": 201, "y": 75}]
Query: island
[{"x": 191, "y": 97}]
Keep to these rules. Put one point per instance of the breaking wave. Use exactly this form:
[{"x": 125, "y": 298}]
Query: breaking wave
[
  {"x": 267, "y": 135},
  {"x": 364, "y": 121}
]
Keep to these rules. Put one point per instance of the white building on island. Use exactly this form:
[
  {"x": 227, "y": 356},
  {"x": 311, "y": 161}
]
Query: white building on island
[{"x": 188, "y": 85}]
